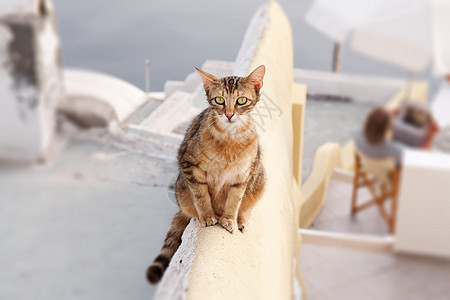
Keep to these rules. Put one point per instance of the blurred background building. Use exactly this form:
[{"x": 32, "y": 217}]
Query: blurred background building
[{"x": 116, "y": 38}]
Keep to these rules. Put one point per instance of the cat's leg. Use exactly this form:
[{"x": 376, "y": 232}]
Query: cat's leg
[
  {"x": 184, "y": 197},
  {"x": 252, "y": 194},
  {"x": 231, "y": 207},
  {"x": 202, "y": 201}
]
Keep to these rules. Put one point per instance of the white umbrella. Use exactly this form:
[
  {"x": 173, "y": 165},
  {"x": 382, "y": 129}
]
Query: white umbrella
[{"x": 407, "y": 33}]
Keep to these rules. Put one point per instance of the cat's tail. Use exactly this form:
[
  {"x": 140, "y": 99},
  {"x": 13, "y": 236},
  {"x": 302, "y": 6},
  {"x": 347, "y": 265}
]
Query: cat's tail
[{"x": 171, "y": 244}]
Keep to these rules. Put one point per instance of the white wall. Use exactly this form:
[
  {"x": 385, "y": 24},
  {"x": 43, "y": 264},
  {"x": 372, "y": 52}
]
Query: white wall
[{"x": 30, "y": 80}]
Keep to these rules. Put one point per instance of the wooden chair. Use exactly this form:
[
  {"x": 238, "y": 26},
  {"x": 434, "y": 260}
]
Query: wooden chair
[{"x": 381, "y": 177}]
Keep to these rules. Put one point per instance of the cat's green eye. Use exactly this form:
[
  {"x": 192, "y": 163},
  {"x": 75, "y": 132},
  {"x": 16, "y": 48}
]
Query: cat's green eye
[
  {"x": 220, "y": 100},
  {"x": 241, "y": 100}
]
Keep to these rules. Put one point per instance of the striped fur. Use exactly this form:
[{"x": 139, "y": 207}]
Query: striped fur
[
  {"x": 221, "y": 176},
  {"x": 171, "y": 243}
]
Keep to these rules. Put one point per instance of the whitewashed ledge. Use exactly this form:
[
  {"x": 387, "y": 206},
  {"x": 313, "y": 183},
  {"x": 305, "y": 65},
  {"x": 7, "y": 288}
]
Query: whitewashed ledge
[{"x": 214, "y": 264}]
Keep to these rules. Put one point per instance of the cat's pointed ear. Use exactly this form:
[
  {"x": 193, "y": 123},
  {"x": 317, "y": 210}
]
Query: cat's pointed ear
[
  {"x": 256, "y": 77},
  {"x": 208, "y": 79}
]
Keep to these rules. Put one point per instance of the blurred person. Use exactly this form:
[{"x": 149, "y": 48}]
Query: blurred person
[{"x": 375, "y": 139}]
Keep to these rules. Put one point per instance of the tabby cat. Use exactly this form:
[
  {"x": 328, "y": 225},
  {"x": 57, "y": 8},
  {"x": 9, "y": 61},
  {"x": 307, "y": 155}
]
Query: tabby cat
[{"x": 221, "y": 176}]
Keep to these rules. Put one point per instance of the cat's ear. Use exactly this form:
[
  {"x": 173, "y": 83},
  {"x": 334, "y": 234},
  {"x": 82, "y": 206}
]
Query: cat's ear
[
  {"x": 208, "y": 79},
  {"x": 256, "y": 77}
]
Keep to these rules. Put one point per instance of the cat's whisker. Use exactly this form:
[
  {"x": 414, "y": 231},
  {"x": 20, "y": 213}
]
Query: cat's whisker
[{"x": 243, "y": 134}]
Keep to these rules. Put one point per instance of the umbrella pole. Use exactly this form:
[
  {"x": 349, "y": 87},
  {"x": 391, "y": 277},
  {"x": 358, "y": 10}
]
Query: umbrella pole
[
  {"x": 408, "y": 92},
  {"x": 337, "y": 57},
  {"x": 147, "y": 76}
]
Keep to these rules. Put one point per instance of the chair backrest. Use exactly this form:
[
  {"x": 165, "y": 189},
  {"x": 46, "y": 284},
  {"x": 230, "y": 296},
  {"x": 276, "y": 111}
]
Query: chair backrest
[{"x": 378, "y": 167}]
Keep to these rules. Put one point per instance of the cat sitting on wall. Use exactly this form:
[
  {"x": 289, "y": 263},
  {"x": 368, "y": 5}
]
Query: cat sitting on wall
[{"x": 221, "y": 176}]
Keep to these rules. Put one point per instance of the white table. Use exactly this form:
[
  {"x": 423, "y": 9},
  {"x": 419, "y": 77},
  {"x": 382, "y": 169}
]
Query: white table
[{"x": 423, "y": 216}]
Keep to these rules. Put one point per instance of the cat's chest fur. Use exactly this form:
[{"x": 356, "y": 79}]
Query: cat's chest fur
[
  {"x": 227, "y": 160},
  {"x": 221, "y": 175}
]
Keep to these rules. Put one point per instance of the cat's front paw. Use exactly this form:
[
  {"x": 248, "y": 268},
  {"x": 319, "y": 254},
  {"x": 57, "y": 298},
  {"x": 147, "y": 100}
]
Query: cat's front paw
[
  {"x": 228, "y": 224},
  {"x": 208, "y": 220}
]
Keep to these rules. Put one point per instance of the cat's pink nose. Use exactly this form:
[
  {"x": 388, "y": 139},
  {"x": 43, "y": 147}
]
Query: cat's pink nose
[{"x": 229, "y": 115}]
